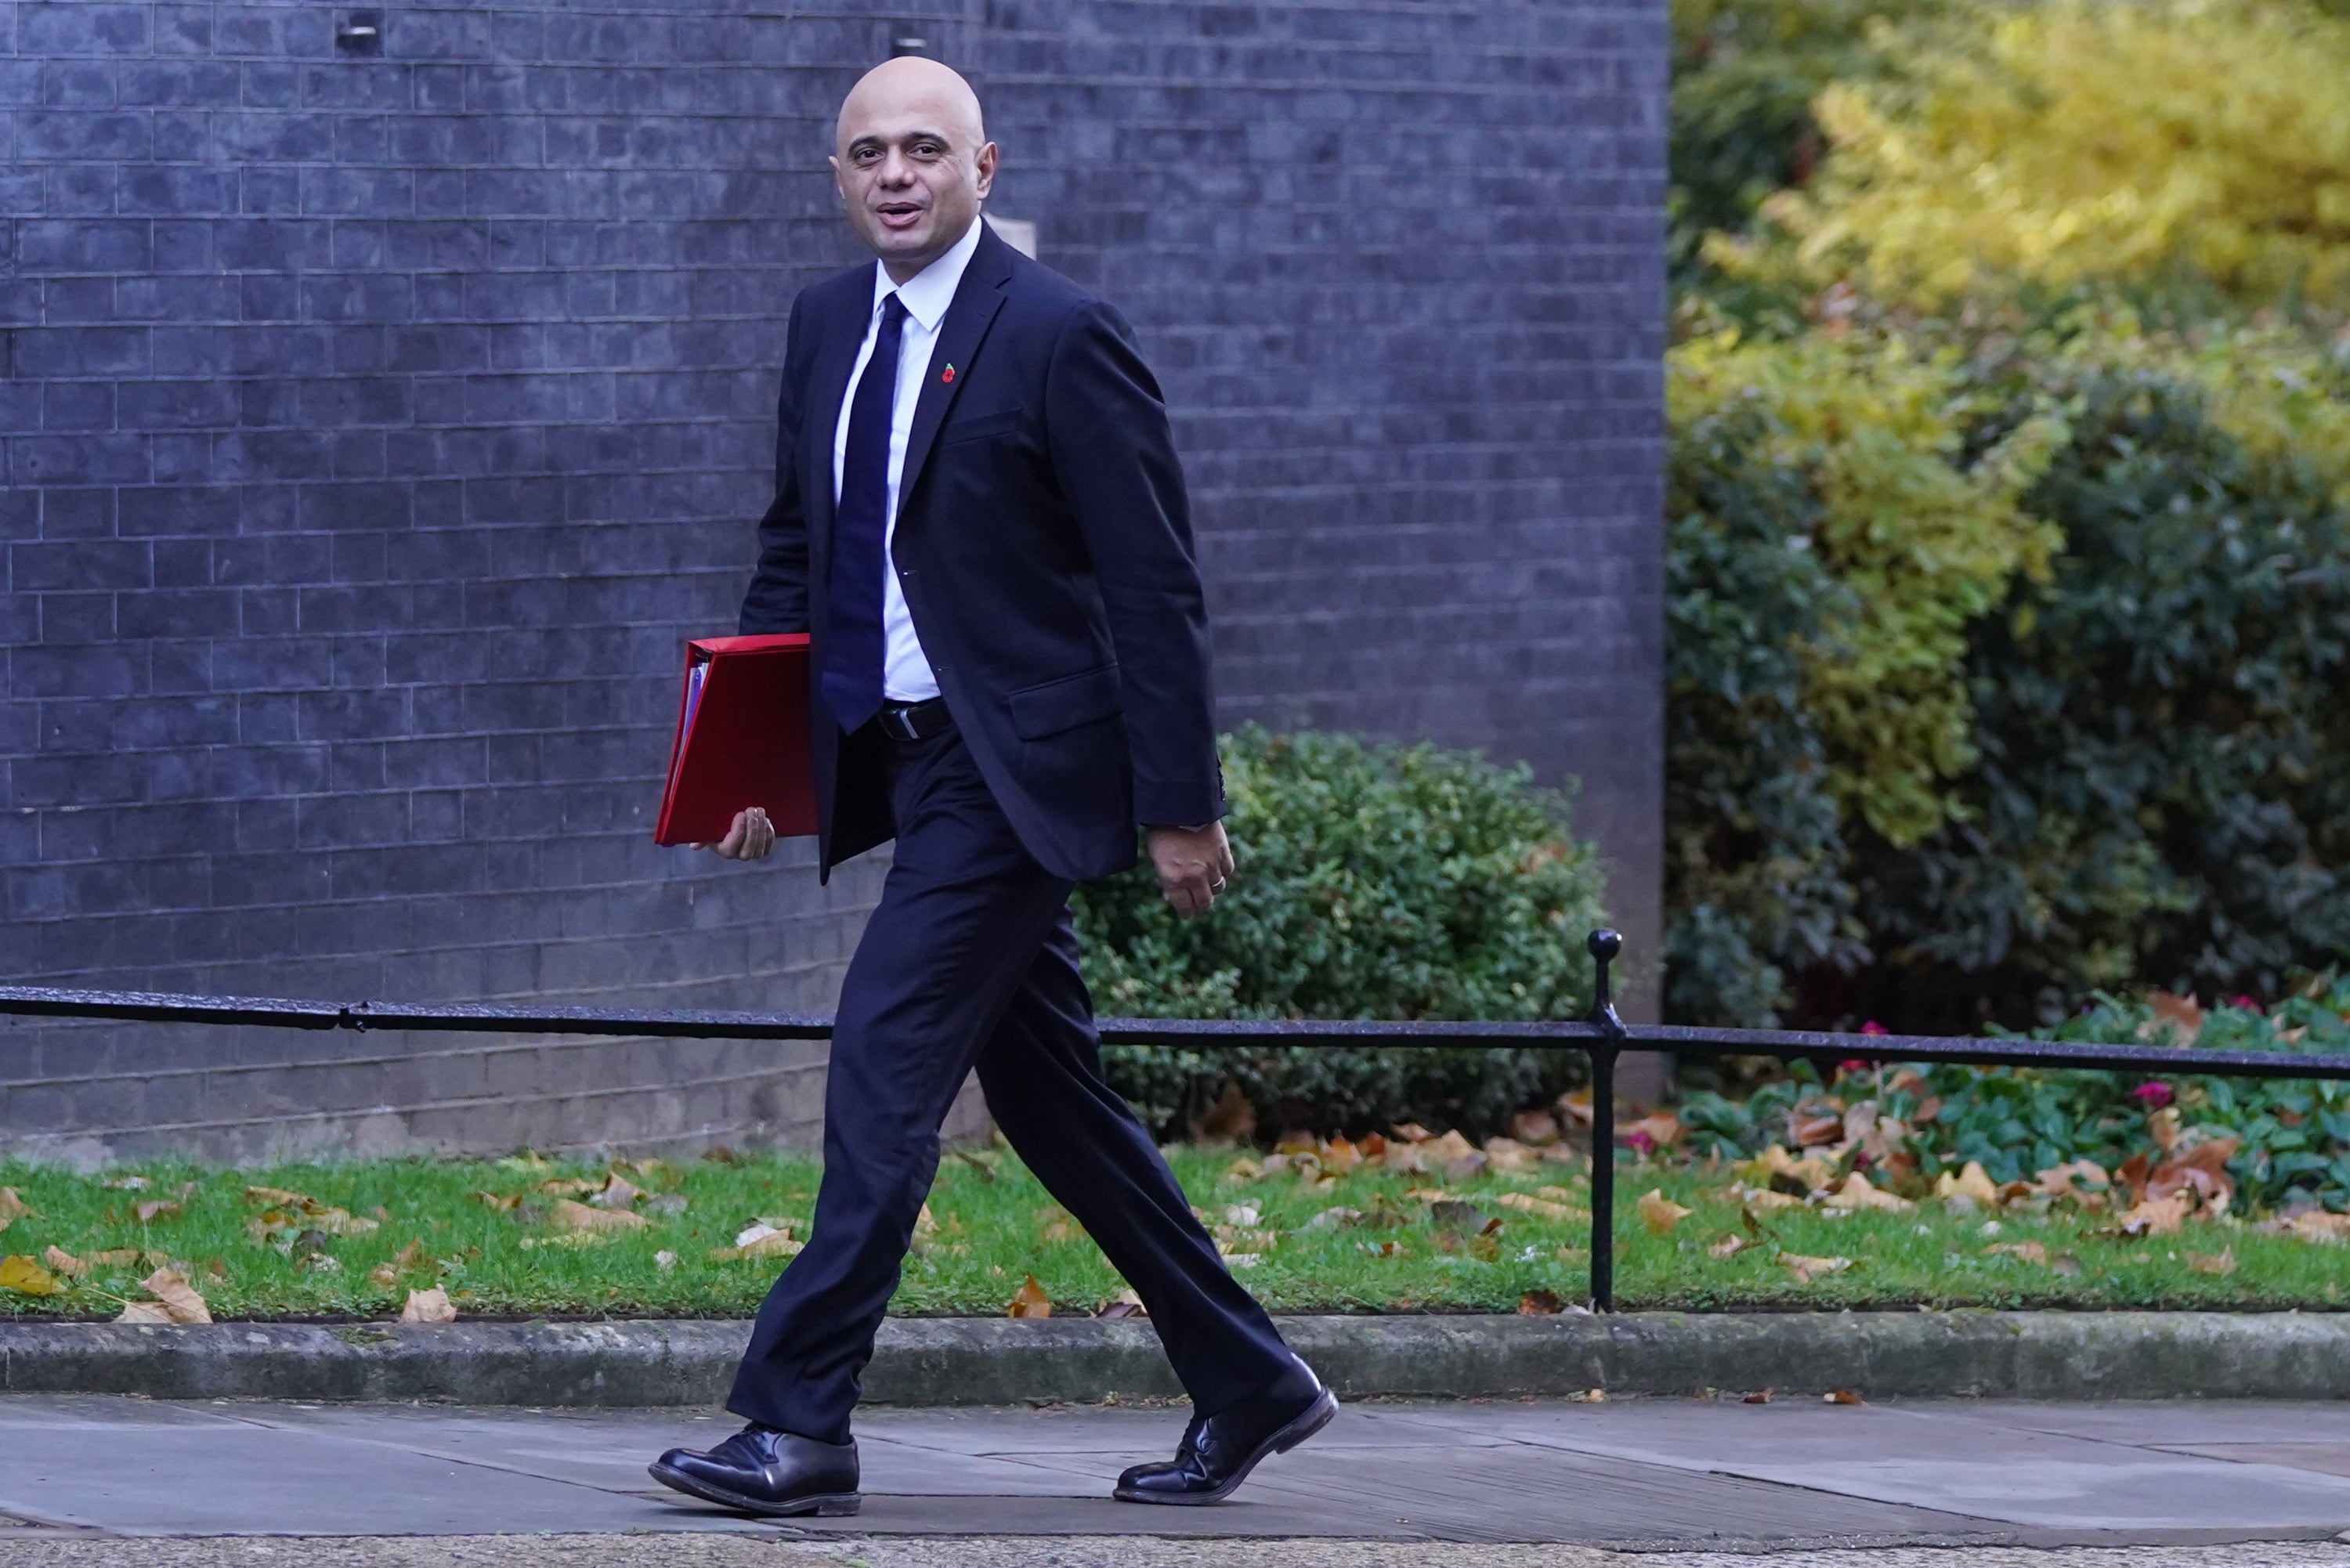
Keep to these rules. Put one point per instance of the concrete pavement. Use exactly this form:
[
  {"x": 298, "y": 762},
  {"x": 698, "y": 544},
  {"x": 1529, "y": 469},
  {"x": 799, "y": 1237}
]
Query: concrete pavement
[{"x": 1689, "y": 1482}]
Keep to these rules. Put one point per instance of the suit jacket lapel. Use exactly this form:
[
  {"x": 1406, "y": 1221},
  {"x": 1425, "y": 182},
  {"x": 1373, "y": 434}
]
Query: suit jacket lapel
[
  {"x": 977, "y": 298},
  {"x": 829, "y": 390}
]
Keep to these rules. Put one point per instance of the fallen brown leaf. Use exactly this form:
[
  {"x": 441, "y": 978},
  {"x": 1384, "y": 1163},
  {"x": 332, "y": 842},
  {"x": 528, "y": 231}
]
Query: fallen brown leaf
[
  {"x": 65, "y": 1262},
  {"x": 144, "y": 1312},
  {"x": 617, "y": 1193},
  {"x": 759, "y": 1240},
  {"x": 156, "y": 1209},
  {"x": 1856, "y": 1194},
  {"x": 1030, "y": 1300},
  {"x": 1404, "y": 1158},
  {"x": 12, "y": 1207},
  {"x": 1806, "y": 1270},
  {"x": 2180, "y": 1017},
  {"x": 2083, "y": 1181},
  {"x": 1775, "y": 1165},
  {"x": 1815, "y": 1131},
  {"x": 1539, "y": 1303},
  {"x": 428, "y": 1306},
  {"x": 570, "y": 1214},
  {"x": 2030, "y": 1252},
  {"x": 27, "y": 1277},
  {"x": 2318, "y": 1225},
  {"x": 2155, "y": 1216},
  {"x": 1972, "y": 1183},
  {"x": 179, "y": 1298},
  {"x": 1541, "y": 1208},
  {"x": 2201, "y": 1170},
  {"x": 1658, "y": 1212},
  {"x": 1508, "y": 1156},
  {"x": 1126, "y": 1303},
  {"x": 279, "y": 1197},
  {"x": 1729, "y": 1246},
  {"x": 1662, "y": 1129},
  {"x": 1534, "y": 1128},
  {"x": 1842, "y": 1396},
  {"x": 2223, "y": 1262},
  {"x": 1232, "y": 1119},
  {"x": 1760, "y": 1397}
]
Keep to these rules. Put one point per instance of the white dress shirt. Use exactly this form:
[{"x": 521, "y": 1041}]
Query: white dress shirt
[{"x": 906, "y": 674}]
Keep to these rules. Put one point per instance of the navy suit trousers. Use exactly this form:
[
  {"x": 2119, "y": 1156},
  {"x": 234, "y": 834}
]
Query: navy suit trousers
[{"x": 970, "y": 959}]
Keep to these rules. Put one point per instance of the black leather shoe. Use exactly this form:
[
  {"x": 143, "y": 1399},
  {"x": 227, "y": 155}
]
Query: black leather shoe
[
  {"x": 761, "y": 1470},
  {"x": 1218, "y": 1451}
]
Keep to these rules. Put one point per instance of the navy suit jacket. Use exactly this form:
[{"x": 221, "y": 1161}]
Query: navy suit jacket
[{"x": 1044, "y": 543}]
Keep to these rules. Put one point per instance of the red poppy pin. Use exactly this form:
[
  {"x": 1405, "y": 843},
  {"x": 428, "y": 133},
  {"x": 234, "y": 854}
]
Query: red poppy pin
[{"x": 947, "y": 377}]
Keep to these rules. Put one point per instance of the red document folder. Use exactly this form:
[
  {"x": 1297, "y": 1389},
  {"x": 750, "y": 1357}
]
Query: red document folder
[{"x": 742, "y": 740}]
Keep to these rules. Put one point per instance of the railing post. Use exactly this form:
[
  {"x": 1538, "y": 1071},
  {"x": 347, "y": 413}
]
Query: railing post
[{"x": 1605, "y": 945}]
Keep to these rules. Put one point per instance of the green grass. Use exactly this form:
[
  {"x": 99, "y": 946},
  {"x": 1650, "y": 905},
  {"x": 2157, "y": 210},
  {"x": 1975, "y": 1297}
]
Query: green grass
[{"x": 996, "y": 1226}]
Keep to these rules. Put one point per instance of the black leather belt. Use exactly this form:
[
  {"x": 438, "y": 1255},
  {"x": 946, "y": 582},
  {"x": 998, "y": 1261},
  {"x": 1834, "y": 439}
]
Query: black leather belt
[{"x": 914, "y": 721}]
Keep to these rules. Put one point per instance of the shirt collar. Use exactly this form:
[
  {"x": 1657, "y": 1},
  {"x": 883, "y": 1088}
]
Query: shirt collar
[{"x": 929, "y": 292}]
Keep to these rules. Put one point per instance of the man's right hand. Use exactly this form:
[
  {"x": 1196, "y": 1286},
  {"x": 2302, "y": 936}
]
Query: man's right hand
[{"x": 750, "y": 838}]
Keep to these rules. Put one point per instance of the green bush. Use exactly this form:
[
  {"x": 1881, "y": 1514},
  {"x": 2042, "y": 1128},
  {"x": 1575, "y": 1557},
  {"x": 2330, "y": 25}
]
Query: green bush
[
  {"x": 1373, "y": 882},
  {"x": 2153, "y": 780}
]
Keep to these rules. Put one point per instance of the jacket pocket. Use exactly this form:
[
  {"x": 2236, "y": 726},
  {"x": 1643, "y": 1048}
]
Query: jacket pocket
[
  {"x": 1063, "y": 704},
  {"x": 980, "y": 426}
]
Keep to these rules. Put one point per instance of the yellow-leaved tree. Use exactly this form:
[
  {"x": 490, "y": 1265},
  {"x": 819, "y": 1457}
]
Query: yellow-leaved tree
[{"x": 2158, "y": 144}]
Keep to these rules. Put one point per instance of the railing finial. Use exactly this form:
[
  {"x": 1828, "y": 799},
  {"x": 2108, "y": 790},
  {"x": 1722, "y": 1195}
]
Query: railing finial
[{"x": 1604, "y": 943}]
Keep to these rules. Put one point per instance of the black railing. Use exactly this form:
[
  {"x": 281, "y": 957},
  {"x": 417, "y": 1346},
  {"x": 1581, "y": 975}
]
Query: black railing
[{"x": 1601, "y": 1035}]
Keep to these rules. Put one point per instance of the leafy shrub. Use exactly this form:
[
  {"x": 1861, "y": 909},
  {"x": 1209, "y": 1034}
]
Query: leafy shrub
[
  {"x": 1373, "y": 882},
  {"x": 2146, "y": 777},
  {"x": 2198, "y": 150},
  {"x": 1744, "y": 74},
  {"x": 2295, "y": 1135},
  {"x": 1832, "y": 542}
]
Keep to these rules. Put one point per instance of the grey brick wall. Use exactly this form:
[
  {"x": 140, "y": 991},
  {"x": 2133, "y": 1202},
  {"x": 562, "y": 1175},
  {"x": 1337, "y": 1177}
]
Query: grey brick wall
[
  {"x": 375, "y": 429},
  {"x": 1400, "y": 267}
]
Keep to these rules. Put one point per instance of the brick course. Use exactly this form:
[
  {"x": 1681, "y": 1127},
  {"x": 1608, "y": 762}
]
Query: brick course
[{"x": 374, "y": 429}]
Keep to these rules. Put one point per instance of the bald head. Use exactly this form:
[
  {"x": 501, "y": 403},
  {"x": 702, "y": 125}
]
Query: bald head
[
  {"x": 911, "y": 85},
  {"x": 913, "y": 161}
]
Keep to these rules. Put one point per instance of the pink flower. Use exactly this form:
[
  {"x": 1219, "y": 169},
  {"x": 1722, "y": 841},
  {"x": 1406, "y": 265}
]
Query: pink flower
[
  {"x": 2246, "y": 1003},
  {"x": 1874, "y": 1027},
  {"x": 1642, "y": 1143},
  {"x": 2155, "y": 1096}
]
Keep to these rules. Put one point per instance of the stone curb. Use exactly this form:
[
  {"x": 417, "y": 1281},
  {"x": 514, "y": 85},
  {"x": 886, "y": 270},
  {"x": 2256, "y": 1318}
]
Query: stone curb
[{"x": 1003, "y": 1361}]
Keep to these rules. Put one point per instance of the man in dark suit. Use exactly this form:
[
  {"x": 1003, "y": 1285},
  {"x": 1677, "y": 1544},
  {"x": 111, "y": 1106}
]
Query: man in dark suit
[{"x": 980, "y": 519}]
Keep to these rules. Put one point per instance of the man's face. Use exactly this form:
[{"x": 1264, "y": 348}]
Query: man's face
[{"x": 912, "y": 164}]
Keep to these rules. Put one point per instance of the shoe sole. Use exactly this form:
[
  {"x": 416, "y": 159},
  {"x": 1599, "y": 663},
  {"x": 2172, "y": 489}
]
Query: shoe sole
[
  {"x": 1317, "y": 1417},
  {"x": 825, "y": 1505}
]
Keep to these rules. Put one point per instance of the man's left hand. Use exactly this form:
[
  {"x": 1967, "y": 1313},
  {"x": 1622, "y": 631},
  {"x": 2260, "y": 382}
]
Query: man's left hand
[{"x": 1193, "y": 864}]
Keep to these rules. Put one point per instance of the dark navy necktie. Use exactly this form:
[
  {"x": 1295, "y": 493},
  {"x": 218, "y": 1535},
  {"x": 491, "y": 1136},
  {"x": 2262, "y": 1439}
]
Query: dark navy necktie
[{"x": 856, "y": 648}]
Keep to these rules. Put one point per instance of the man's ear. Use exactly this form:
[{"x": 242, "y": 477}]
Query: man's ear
[
  {"x": 985, "y": 165},
  {"x": 837, "y": 188}
]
